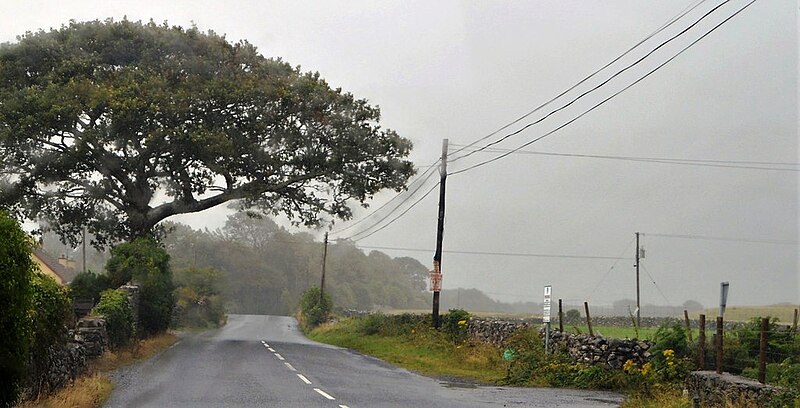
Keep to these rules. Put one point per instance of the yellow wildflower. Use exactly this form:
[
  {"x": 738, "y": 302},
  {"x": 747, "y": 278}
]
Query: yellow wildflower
[
  {"x": 629, "y": 365},
  {"x": 462, "y": 322},
  {"x": 646, "y": 368}
]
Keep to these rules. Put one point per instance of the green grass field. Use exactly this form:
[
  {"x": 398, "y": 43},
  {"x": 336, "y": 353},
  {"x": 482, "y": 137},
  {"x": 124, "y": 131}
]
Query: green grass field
[{"x": 784, "y": 312}]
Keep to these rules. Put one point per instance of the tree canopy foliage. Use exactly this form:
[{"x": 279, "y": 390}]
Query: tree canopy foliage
[{"x": 100, "y": 122}]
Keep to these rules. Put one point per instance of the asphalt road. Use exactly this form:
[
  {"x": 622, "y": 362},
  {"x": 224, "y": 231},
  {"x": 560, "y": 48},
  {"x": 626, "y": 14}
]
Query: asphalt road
[{"x": 264, "y": 361}]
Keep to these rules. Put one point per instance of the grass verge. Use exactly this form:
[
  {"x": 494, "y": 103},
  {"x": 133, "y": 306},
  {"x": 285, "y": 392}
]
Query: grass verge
[
  {"x": 92, "y": 389},
  {"x": 422, "y": 350}
]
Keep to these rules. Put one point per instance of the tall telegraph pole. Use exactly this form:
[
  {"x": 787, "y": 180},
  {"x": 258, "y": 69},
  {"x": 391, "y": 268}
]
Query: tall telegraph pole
[
  {"x": 324, "y": 259},
  {"x": 436, "y": 278},
  {"x": 638, "y": 305}
]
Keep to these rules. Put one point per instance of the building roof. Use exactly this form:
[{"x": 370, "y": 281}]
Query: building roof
[{"x": 66, "y": 274}]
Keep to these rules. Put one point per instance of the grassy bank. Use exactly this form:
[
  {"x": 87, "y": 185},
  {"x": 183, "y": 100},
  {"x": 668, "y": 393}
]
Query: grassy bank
[
  {"x": 418, "y": 348},
  {"x": 408, "y": 341},
  {"x": 93, "y": 389}
]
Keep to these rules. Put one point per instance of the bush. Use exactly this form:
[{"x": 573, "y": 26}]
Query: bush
[
  {"x": 198, "y": 302},
  {"x": 371, "y": 324},
  {"x": 16, "y": 270},
  {"x": 572, "y": 316},
  {"x": 313, "y": 311},
  {"x": 526, "y": 354},
  {"x": 88, "y": 285},
  {"x": 115, "y": 308},
  {"x": 669, "y": 336},
  {"x": 51, "y": 311},
  {"x": 145, "y": 263},
  {"x": 455, "y": 323}
]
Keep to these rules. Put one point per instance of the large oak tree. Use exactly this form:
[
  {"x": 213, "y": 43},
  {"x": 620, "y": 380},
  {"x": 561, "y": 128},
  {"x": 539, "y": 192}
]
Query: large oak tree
[{"x": 119, "y": 125}]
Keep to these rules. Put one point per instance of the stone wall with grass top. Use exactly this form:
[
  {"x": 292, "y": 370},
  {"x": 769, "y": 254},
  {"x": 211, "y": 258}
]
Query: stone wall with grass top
[{"x": 712, "y": 389}]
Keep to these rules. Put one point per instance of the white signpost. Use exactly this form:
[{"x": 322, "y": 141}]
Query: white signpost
[{"x": 548, "y": 292}]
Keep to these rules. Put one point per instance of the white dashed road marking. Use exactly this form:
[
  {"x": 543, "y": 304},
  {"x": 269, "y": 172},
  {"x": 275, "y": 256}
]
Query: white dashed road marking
[
  {"x": 324, "y": 394},
  {"x": 300, "y": 376}
]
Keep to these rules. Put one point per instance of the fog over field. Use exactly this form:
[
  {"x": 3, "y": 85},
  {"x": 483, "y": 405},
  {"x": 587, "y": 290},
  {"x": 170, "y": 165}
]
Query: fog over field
[{"x": 701, "y": 156}]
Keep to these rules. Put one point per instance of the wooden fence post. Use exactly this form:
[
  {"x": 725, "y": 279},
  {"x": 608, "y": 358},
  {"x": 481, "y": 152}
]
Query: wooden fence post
[
  {"x": 762, "y": 351},
  {"x": 702, "y": 343},
  {"x": 588, "y": 318},
  {"x": 794, "y": 325},
  {"x": 560, "y": 317},
  {"x": 688, "y": 326},
  {"x": 719, "y": 342}
]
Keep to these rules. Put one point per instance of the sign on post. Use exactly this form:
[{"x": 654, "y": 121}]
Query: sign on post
[
  {"x": 436, "y": 278},
  {"x": 723, "y": 297},
  {"x": 548, "y": 290}
]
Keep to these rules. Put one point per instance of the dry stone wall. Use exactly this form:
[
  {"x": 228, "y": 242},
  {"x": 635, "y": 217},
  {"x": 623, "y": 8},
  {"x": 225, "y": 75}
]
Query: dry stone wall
[
  {"x": 585, "y": 349},
  {"x": 721, "y": 390}
]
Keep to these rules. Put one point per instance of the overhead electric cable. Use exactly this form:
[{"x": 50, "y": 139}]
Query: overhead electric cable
[
  {"x": 423, "y": 177},
  {"x": 395, "y": 218},
  {"x": 686, "y": 162},
  {"x": 488, "y": 253},
  {"x": 658, "y": 30},
  {"x": 608, "y": 272},
  {"x": 732, "y": 239},
  {"x": 598, "y": 86},
  {"x": 604, "y": 100},
  {"x": 656, "y": 285}
]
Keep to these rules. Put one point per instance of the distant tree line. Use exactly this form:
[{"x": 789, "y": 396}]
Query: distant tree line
[{"x": 266, "y": 268}]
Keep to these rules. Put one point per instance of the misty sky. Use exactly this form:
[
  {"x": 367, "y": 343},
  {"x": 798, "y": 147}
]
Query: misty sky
[{"x": 460, "y": 70}]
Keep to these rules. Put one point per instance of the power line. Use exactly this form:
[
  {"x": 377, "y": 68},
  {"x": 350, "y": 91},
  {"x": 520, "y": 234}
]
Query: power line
[
  {"x": 658, "y": 30},
  {"x": 608, "y": 272},
  {"x": 423, "y": 177},
  {"x": 395, "y": 218},
  {"x": 687, "y": 162},
  {"x": 488, "y": 253},
  {"x": 656, "y": 285},
  {"x": 731, "y": 239},
  {"x": 604, "y": 100},
  {"x": 618, "y": 73}
]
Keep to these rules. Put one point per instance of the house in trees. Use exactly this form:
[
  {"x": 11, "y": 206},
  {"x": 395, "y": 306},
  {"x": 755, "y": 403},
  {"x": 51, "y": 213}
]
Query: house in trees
[{"x": 62, "y": 269}]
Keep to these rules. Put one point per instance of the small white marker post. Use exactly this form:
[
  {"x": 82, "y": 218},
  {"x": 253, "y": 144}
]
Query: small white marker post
[{"x": 548, "y": 291}]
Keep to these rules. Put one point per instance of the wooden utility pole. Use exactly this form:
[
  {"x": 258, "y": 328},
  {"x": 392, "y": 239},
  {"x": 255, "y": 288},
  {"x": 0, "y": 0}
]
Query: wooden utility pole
[
  {"x": 324, "y": 259},
  {"x": 560, "y": 317},
  {"x": 437, "y": 256},
  {"x": 638, "y": 304}
]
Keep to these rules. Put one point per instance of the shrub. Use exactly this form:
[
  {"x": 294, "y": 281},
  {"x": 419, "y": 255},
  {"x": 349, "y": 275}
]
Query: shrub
[
  {"x": 16, "y": 270},
  {"x": 455, "y": 323},
  {"x": 198, "y": 302},
  {"x": 526, "y": 353},
  {"x": 672, "y": 336},
  {"x": 88, "y": 285},
  {"x": 313, "y": 311},
  {"x": 572, "y": 316},
  {"x": 115, "y": 308},
  {"x": 51, "y": 311},
  {"x": 371, "y": 324},
  {"x": 144, "y": 262}
]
